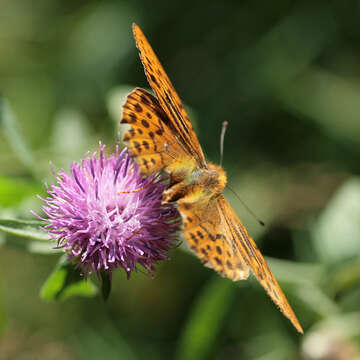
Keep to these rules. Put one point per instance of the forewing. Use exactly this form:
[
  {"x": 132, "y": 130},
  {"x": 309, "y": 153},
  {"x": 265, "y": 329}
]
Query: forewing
[
  {"x": 151, "y": 139},
  {"x": 244, "y": 246},
  {"x": 168, "y": 98},
  {"x": 208, "y": 241}
]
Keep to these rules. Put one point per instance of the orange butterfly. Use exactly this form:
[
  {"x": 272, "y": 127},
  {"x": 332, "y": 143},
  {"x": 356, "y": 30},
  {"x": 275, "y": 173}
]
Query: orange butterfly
[{"x": 162, "y": 138}]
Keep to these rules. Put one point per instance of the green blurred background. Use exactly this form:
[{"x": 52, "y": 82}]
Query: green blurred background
[{"x": 286, "y": 76}]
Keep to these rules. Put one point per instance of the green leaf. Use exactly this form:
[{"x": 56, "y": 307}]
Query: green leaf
[
  {"x": 66, "y": 282},
  {"x": 29, "y": 229},
  {"x": 344, "y": 277},
  {"x": 317, "y": 300},
  {"x": 26, "y": 235},
  {"x": 296, "y": 273},
  {"x": 307, "y": 279},
  {"x": 205, "y": 320},
  {"x": 340, "y": 222},
  {"x": 12, "y": 131}
]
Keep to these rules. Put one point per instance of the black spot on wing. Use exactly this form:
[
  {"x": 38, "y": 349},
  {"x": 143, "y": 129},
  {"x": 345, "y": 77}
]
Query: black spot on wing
[
  {"x": 138, "y": 107},
  {"x": 145, "y": 123},
  {"x": 144, "y": 99}
]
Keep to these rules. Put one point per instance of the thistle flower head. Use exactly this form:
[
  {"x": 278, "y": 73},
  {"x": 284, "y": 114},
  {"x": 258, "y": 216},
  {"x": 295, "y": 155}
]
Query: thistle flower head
[{"x": 105, "y": 215}]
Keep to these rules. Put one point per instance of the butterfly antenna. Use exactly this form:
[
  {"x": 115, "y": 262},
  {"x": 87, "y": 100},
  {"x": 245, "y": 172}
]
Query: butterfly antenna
[
  {"x": 222, "y": 136},
  {"x": 246, "y": 207}
]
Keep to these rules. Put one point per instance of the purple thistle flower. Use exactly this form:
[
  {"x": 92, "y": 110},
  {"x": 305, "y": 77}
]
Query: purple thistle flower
[{"x": 102, "y": 223}]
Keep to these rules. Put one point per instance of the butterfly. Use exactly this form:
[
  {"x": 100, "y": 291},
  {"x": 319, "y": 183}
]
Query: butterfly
[{"x": 161, "y": 137}]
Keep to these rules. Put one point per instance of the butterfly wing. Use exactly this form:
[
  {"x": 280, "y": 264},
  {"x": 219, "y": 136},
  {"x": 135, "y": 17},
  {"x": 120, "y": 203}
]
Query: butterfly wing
[
  {"x": 217, "y": 236},
  {"x": 209, "y": 241},
  {"x": 244, "y": 247},
  {"x": 150, "y": 140},
  {"x": 168, "y": 98}
]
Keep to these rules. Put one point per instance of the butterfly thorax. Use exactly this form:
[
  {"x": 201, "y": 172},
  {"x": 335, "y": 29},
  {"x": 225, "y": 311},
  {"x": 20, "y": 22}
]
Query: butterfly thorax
[
  {"x": 212, "y": 178},
  {"x": 194, "y": 184}
]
